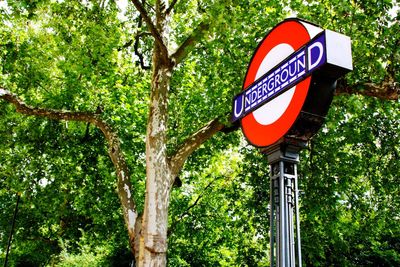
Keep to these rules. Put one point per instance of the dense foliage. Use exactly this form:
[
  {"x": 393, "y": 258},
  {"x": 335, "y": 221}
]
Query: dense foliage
[{"x": 94, "y": 56}]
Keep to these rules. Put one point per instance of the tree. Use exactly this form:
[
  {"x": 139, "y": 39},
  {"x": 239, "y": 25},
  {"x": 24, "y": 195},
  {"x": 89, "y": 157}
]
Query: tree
[
  {"x": 84, "y": 75},
  {"x": 350, "y": 170}
]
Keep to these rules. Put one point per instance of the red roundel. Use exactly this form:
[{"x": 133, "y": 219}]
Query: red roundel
[{"x": 270, "y": 122}]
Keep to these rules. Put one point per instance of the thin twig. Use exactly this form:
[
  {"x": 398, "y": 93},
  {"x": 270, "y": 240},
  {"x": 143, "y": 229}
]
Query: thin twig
[
  {"x": 171, "y": 7},
  {"x": 151, "y": 26}
]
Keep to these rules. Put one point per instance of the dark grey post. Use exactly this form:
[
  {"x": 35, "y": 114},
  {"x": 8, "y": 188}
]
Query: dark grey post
[{"x": 283, "y": 158}]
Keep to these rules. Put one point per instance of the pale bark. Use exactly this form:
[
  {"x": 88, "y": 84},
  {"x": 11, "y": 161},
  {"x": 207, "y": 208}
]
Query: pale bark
[
  {"x": 153, "y": 235},
  {"x": 158, "y": 180}
]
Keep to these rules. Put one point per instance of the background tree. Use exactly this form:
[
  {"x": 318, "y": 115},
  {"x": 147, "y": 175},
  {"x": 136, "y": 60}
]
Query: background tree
[{"x": 147, "y": 86}]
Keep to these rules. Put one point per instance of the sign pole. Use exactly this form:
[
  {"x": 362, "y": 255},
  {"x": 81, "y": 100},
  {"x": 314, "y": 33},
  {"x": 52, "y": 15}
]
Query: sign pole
[
  {"x": 296, "y": 199},
  {"x": 288, "y": 88},
  {"x": 283, "y": 158},
  {"x": 272, "y": 218}
]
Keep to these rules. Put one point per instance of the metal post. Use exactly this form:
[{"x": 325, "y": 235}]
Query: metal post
[
  {"x": 271, "y": 218},
  {"x": 283, "y": 159},
  {"x": 296, "y": 195},
  {"x": 282, "y": 218}
]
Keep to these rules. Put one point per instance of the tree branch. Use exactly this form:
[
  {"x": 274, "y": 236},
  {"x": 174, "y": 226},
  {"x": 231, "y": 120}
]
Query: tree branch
[
  {"x": 23, "y": 108},
  {"x": 151, "y": 26},
  {"x": 192, "y": 143},
  {"x": 124, "y": 185},
  {"x": 139, "y": 54},
  {"x": 196, "y": 201},
  {"x": 126, "y": 45},
  {"x": 186, "y": 47},
  {"x": 186, "y": 212},
  {"x": 387, "y": 90},
  {"x": 136, "y": 46},
  {"x": 171, "y": 6}
]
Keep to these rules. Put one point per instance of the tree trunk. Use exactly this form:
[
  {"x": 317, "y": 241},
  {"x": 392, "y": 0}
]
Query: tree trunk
[
  {"x": 153, "y": 245},
  {"x": 153, "y": 234},
  {"x": 153, "y": 239}
]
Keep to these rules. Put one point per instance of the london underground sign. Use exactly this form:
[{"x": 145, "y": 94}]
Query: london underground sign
[
  {"x": 288, "y": 73},
  {"x": 290, "y": 82},
  {"x": 286, "y": 94}
]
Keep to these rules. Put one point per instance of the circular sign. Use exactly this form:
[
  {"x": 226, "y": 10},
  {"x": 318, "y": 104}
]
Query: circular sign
[{"x": 273, "y": 120}]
